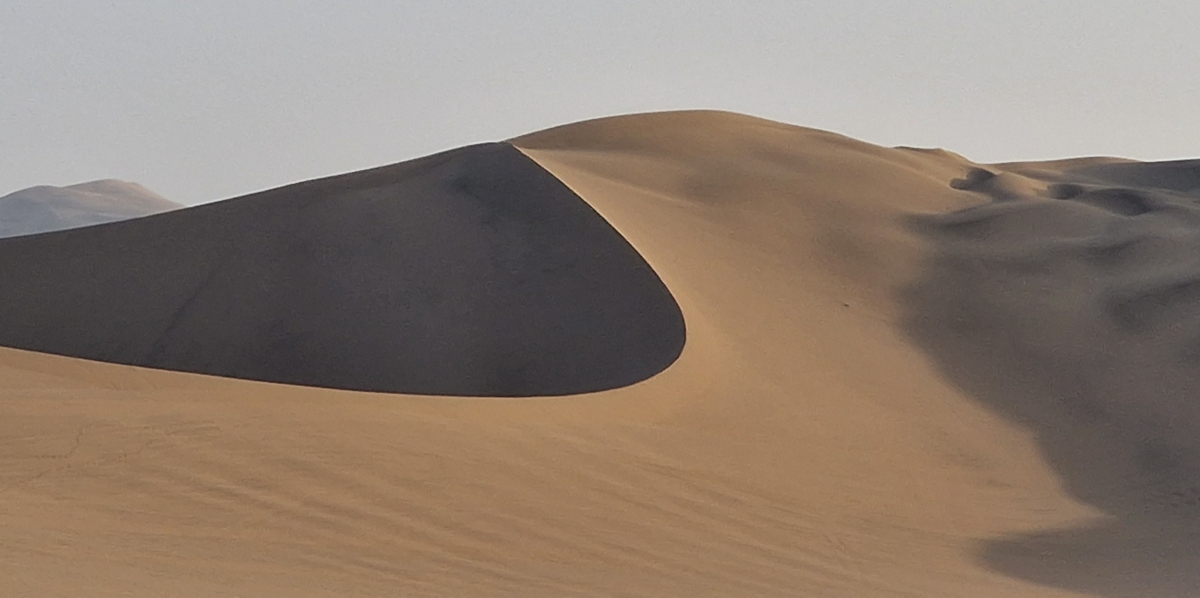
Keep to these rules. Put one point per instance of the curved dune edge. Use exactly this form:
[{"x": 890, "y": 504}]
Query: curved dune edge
[
  {"x": 473, "y": 272},
  {"x": 803, "y": 443}
]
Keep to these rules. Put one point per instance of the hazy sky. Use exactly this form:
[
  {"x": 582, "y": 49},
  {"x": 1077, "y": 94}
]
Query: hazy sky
[{"x": 202, "y": 100}]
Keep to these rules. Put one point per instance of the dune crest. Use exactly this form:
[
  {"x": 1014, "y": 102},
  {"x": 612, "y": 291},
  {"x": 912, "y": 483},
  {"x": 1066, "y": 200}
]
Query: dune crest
[
  {"x": 854, "y": 412},
  {"x": 472, "y": 272}
]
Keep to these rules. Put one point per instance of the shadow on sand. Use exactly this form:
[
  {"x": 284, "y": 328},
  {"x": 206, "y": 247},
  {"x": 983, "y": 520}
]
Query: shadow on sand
[{"x": 1084, "y": 333}]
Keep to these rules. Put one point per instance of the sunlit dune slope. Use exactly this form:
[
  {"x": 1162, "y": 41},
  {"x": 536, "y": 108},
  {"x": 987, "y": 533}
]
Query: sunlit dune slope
[
  {"x": 904, "y": 375},
  {"x": 45, "y": 208}
]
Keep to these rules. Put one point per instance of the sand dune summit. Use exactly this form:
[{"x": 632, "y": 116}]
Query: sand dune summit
[
  {"x": 903, "y": 374},
  {"x": 43, "y": 209}
]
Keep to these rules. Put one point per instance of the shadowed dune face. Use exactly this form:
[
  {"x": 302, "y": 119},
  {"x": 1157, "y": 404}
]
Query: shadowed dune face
[
  {"x": 44, "y": 209},
  {"x": 1071, "y": 303},
  {"x": 1178, "y": 175},
  {"x": 473, "y": 272}
]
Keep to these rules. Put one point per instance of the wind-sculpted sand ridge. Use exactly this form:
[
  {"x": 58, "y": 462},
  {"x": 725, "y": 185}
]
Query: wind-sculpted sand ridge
[
  {"x": 905, "y": 375},
  {"x": 469, "y": 273}
]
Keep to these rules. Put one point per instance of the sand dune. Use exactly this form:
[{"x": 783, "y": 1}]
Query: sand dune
[
  {"x": 45, "y": 208},
  {"x": 469, "y": 273},
  {"x": 904, "y": 375}
]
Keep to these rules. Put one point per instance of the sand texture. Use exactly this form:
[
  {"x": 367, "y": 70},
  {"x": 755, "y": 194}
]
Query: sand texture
[
  {"x": 45, "y": 208},
  {"x": 904, "y": 374}
]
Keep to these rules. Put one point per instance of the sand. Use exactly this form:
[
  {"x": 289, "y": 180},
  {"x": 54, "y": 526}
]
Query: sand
[
  {"x": 47, "y": 208},
  {"x": 903, "y": 376},
  {"x": 473, "y": 272}
]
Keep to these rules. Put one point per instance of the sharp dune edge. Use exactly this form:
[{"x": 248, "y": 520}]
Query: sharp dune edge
[
  {"x": 471, "y": 272},
  {"x": 905, "y": 375}
]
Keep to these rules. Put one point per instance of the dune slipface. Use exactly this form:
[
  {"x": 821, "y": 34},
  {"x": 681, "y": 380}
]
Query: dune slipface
[{"x": 472, "y": 272}]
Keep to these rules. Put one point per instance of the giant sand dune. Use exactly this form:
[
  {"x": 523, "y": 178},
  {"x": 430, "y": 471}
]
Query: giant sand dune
[{"x": 806, "y": 366}]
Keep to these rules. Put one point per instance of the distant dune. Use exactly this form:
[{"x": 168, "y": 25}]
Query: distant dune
[
  {"x": 45, "y": 208},
  {"x": 798, "y": 365}
]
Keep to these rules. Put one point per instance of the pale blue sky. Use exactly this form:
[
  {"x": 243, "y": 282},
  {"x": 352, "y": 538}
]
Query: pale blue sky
[{"x": 208, "y": 99}]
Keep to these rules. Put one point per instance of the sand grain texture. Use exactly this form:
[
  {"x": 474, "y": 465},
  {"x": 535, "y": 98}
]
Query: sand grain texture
[{"x": 854, "y": 412}]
